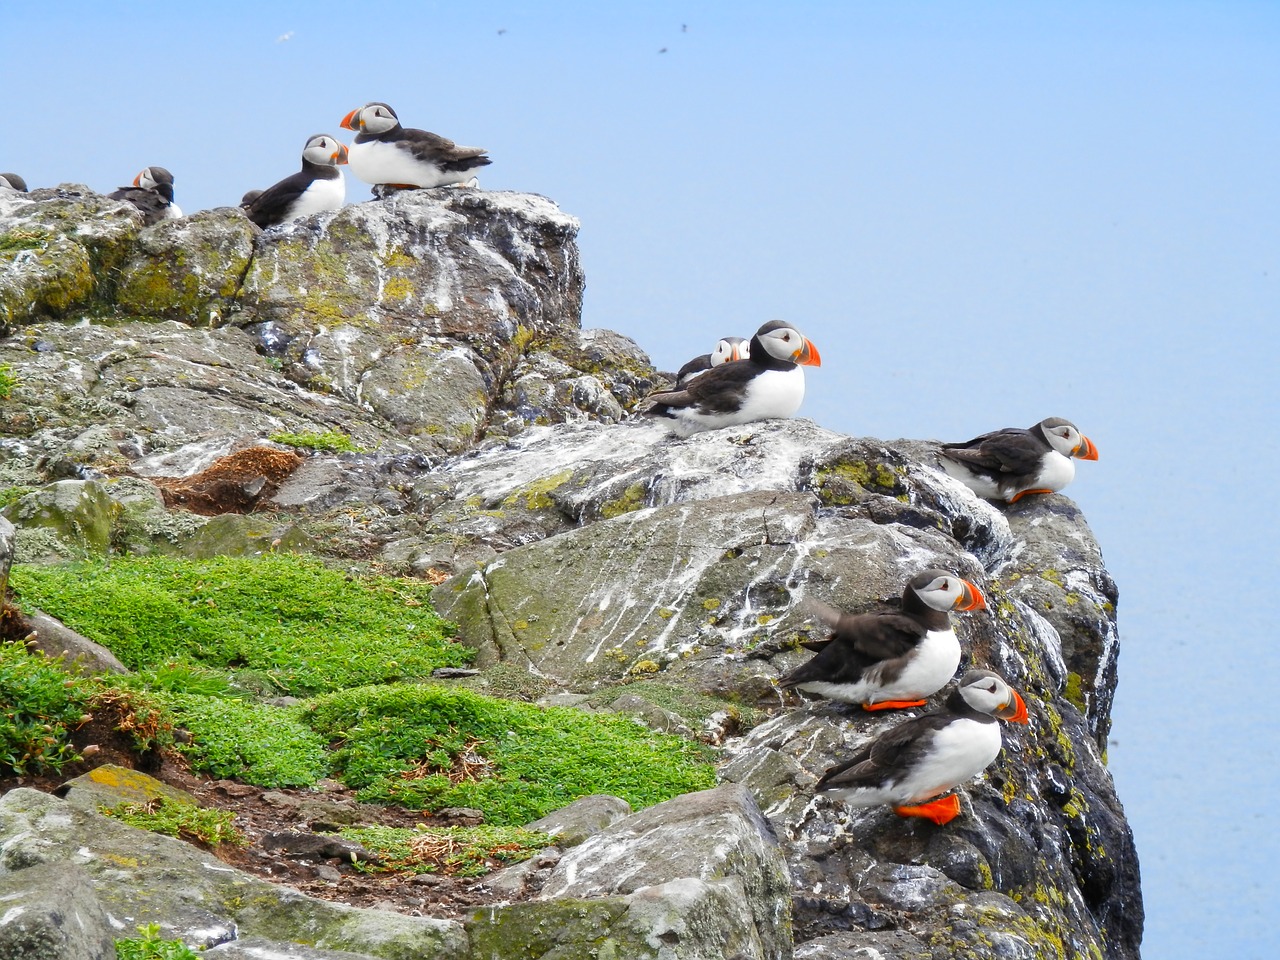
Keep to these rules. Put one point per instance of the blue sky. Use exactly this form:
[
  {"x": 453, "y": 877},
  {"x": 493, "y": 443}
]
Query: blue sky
[{"x": 982, "y": 213}]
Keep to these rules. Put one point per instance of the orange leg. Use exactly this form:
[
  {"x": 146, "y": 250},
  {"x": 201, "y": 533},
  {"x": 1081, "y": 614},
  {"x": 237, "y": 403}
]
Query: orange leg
[
  {"x": 893, "y": 704},
  {"x": 1026, "y": 493},
  {"x": 940, "y": 811}
]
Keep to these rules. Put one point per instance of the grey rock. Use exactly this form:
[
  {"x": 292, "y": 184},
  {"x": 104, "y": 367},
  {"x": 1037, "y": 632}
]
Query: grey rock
[
  {"x": 109, "y": 785},
  {"x": 54, "y": 638},
  {"x": 260, "y": 948},
  {"x": 51, "y": 910},
  {"x": 131, "y": 873},
  {"x": 712, "y": 849},
  {"x": 583, "y": 818}
]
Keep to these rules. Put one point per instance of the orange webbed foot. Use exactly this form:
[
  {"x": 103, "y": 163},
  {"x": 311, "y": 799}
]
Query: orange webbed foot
[
  {"x": 940, "y": 811},
  {"x": 893, "y": 704},
  {"x": 1026, "y": 493}
]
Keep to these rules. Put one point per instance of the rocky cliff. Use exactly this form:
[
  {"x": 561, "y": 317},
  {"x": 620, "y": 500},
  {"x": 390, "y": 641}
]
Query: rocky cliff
[{"x": 488, "y": 448}]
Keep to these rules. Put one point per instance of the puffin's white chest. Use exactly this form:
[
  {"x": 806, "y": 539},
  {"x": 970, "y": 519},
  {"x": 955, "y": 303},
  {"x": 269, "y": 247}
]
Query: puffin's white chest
[
  {"x": 321, "y": 196},
  {"x": 1056, "y": 471},
  {"x": 928, "y": 668},
  {"x": 377, "y": 161},
  {"x": 773, "y": 393},
  {"x": 959, "y": 751}
]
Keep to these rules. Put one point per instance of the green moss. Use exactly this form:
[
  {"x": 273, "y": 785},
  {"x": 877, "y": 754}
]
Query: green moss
[
  {"x": 1053, "y": 576},
  {"x": 847, "y": 481},
  {"x": 632, "y": 499},
  {"x": 537, "y": 495},
  {"x": 431, "y": 746},
  {"x": 645, "y": 666},
  {"x": 18, "y": 240},
  {"x": 711, "y": 603},
  {"x": 1075, "y": 694},
  {"x": 988, "y": 878},
  {"x": 289, "y": 618},
  {"x": 174, "y": 818},
  {"x": 328, "y": 441}
]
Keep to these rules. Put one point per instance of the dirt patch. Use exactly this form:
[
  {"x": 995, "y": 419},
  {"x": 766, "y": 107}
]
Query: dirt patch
[
  {"x": 264, "y": 815},
  {"x": 231, "y": 484}
]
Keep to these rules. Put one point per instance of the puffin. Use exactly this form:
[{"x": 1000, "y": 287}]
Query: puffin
[
  {"x": 317, "y": 187},
  {"x": 247, "y": 200},
  {"x": 11, "y": 181},
  {"x": 384, "y": 152},
  {"x": 728, "y": 349},
  {"x": 889, "y": 659},
  {"x": 152, "y": 193},
  {"x": 768, "y": 383},
  {"x": 1012, "y": 463},
  {"x": 914, "y": 763}
]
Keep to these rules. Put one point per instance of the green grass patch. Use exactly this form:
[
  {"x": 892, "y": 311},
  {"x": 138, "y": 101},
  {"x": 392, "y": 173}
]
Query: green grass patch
[
  {"x": 266, "y": 746},
  {"x": 39, "y": 705},
  {"x": 7, "y": 381},
  {"x": 452, "y": 851},
  {"x": 430, "y": 746},
  {"x": 13, "y": 494},
  {"x": 185, "y": 821},
  {"x": 286, "y": 618},
  {"x": 149, "y": 946},
  {"x": 327, "y": 441}
]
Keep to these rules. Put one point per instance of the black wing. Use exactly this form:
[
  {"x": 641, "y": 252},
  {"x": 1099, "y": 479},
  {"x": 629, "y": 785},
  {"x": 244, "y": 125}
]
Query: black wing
[
  {"x": 273, "y": 204},
  {"x": 153, "y": 206},
  {"x": 691, "y": 369},
  {"x": 896, "y": 748},
  {"x": 1002, "y": 451},
  {"x": 858, "y": 641},
  {"x": 719, "y": 390},
  {"x": 438, "y": 150}
]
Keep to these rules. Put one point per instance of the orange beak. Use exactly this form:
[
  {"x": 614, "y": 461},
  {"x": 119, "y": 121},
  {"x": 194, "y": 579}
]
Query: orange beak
[
  {"x": 1015, "y": 712},
  {"x": 735, "y": 353},
  {"x": 807, "y": 355},
  {"x": 347, "y": 121},
  {"x": 970, "y": 598},
  {"x": 137, "y": 178},
  {"x": 340, "y": 156},
  {"x": 1087, "y": 445}
]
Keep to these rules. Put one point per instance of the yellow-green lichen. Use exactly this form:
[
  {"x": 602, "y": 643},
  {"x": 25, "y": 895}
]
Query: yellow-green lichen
[
  {"x": 537, "y": 495},
  {"x": 632, "y": 499}
]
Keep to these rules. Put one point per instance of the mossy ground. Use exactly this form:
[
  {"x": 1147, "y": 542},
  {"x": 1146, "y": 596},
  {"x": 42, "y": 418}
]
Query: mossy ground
[{"x": 215, "y": 643}]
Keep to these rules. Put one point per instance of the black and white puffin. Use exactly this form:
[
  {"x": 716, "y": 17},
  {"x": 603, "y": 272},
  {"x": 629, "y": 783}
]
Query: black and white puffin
[
  {"x": 769, "y": 383},
  {"x": 384, "y": 152},
  {"x": 919, "y": 760},
  {"x": 1011, "y": 463},
  {"x": 727, "y": 350},
  {"x": 11, "y": 181},
  {"x": 317, "y": 187},
  {"x": 247, "y": 200},
  {"x": 151, "y": 193},
  {"x": 889, "y": 659}
]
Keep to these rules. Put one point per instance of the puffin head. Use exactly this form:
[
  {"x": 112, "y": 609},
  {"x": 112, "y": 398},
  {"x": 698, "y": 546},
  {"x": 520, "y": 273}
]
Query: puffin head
[
  {"x": 945, "y": 591},
  {"x": 158, "y": 179},
  {"x": 11, "y": 181},
  {"x": 988, "y": 693},
  {"x": 784, "y": 342},
  {"x": 324, "y": 150},
  {"x": 1064, "y": 437},
  {"x": 375, "y": 118},
  {"x": 730, "y": 348}
]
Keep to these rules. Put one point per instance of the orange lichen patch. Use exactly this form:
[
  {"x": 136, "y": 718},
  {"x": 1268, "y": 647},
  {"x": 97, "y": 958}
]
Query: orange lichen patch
[
  {"x": 436, "y": 576},
  {"x": 232, "y": 484}
]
